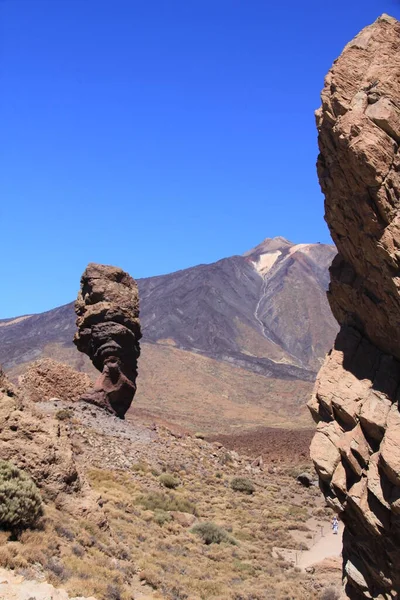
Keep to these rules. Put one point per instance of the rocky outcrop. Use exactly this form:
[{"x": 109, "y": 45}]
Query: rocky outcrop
[
  {"x": 356, "y": 449},
  {"x": 107, "y": 308},
  {"x": 47, "y": 378},
  {"x": 40, "y": 446}
]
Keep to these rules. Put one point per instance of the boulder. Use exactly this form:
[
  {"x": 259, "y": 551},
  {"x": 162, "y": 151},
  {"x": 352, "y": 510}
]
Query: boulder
[
  {"x": 46, "y": 379},
  {"x": 356, "y": 449},
  {"x": 107, "y": 311}
]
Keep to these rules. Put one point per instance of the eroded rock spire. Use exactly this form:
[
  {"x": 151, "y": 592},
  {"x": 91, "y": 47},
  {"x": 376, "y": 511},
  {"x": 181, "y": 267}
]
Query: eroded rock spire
[
  {"x": 107, "y": 311},
  {"x": 356, "y": 449}
]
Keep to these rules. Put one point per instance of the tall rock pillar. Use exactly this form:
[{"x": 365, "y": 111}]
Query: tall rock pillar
[
  {"x": 356, "y": 449},
  {"x": 107, "y": 311}
]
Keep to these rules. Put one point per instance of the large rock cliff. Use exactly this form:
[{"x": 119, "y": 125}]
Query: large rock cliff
[
  {"x": 356, "y": 449},
  {"x": 109, "y": 332}
]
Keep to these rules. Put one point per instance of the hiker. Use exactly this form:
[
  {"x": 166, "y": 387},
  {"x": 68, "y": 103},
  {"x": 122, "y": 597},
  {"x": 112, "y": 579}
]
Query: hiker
[{"x": 335, "y": 525}]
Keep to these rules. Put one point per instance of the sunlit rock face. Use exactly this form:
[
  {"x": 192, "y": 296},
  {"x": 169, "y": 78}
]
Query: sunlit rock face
[
  {"x": 356, "y": 449},
  {"x": 107, "y": 311}
]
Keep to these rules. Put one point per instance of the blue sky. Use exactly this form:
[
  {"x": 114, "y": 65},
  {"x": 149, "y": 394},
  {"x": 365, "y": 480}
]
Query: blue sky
[{"x": 158, "y": 135}]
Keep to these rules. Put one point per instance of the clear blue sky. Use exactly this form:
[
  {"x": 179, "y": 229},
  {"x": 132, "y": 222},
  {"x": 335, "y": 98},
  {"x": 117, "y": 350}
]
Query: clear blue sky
[{"x": 159, "y": 134}]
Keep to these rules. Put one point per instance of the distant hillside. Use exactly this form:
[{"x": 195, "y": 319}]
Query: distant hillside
[{"x": 264, "y": 314}]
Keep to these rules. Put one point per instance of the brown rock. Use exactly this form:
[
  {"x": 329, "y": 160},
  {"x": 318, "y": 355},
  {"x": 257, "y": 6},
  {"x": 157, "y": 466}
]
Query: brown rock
[
  {"x": 46, "y": 379},
  {"x": 356, "y": 449},
  {"x": 107, "y": 308},
  {"x": 40, "y": 446},
  {"x": 184, "y": 519}
]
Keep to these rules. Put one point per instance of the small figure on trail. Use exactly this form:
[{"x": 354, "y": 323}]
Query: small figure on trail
[{"x": 335, "y": 525}]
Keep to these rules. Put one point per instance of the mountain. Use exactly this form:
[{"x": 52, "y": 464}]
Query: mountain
[{"x": 243, "y": 331}]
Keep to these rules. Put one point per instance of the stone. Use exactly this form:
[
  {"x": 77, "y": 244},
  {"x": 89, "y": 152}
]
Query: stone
[
  {"x": 324, "y": 449},
  {"x": 49, "y": 380},
  {"x": 182, "y": 518},
  {"x": 356, "y": 448},
  {"x": 305, "y": 479},
  {"x": 107, "y": 311}
]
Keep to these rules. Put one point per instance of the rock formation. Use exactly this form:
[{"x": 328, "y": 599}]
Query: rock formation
[
  {"x": 107, "y": 308},
  {"x": 45, "y": 379},
  {"x": 356, "y": 449},
  {"x": 40, "y": 446}
]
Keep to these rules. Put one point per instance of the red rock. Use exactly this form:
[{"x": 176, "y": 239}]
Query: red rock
[{"x": 109, "y": 332}]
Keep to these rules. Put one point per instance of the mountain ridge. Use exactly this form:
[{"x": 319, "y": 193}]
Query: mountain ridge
[{"x": 264, "y": 312}]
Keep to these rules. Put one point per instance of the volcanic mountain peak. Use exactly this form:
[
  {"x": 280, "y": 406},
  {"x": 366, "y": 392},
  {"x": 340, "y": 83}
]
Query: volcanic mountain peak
[
  {"x": 269, "y": 245},
  {"x": 275, "y": 251}
]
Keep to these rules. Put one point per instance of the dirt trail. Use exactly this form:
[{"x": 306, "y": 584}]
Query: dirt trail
[
  {"x": 16, "y": 587},
  {"x": 327, "y": 546}
]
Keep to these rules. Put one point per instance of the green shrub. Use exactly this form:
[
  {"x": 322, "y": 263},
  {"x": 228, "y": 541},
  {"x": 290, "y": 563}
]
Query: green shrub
[
  {"x": 161, "y": 517},
  {"x": 169, "y": 501},
  {"x": 20, "y": 501},
  {"x": 241, "y": 484},
  {"x": 211, "y": 533},
  {"x": 168, "y": 481}
]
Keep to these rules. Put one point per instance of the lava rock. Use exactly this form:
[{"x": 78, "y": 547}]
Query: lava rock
[{"x": 108, "y": 324}]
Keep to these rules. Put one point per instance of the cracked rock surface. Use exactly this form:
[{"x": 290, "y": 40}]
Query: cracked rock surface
[
  {"x": 107, "y": 311},
  {"x": 356, "y": 449}
]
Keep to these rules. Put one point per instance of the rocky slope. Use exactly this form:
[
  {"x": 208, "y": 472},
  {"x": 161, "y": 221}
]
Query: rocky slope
[
  {"x": 356, "y": 449},
  {"x": 238, "y": 334},
  {"x": 145, "y": 546}
]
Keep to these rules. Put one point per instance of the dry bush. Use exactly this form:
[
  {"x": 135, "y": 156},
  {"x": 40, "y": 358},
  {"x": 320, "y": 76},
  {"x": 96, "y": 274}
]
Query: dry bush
[
  {"x": 211, "y": 533},
  {"x": 242, "y": 484},
  {"x": 168, "y": 481},
  {"x": 63, "y": 414},
  {"x": 168, "y": 501}
]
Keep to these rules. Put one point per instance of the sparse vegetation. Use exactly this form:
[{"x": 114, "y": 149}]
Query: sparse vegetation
[
  {"x": 330, "y": 594},
  {"x": 242, "y": 484},
  {"x": 166, "y": 502},
  {"x": 63, "y": 414},
  {"x": 161, "y": 517},
  {"x": 149, "y": 543},
  {"x": 20, "y": 500},
  {"x": 169, "y": 481},
  {"x": 211, "y": 533}
]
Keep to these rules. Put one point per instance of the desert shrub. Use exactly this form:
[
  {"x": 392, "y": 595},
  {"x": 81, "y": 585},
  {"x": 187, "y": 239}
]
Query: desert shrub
[
  {"x": 242, "y": 484},
  {"x": 63, "y": 414},
  {"x": 169, "y": 501},
  {"x": 114, "y": 592},
  {"x": 64, "y": 532},
  {"x": 78, "y": 550},
  {"x": 226, "y": 459},
  {"x": 161, "y": 517},
  {"x": 211, "y": 533},
  {"x": 140, "y": 466},
  {"x": 168, "y": 481},
  {"x": 330, "y": 594},
  {"x": 57, "y": 568},
  {"x": 20, "y": 501}
]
